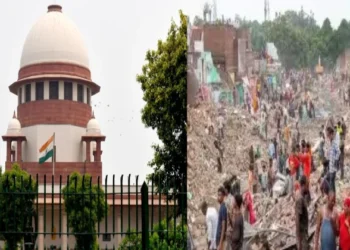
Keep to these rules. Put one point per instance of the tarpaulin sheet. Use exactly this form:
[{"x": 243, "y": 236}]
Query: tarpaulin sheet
[
  {"x": 240, "y": 91},
  {"x": 212, "y": 74},
  {"x": 226, "y": 96}
]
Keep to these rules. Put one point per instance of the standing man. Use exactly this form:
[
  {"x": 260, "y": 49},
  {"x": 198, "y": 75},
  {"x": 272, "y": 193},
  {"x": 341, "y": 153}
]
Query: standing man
[
  {"x": 272, "y": 152},
  {"x": 236, "y": 186},
  {"x": 302, "y": 216},
  {"x": 212, "y": 222},
  {"x": 235, "y": 238},
  {"x": 327, "y": 225},
  {"x": 333, "y": 156},
  {"x": 220, "y": 122},
  {"x": 342, "y": 128},
  {"x": 221, "y": 228}
]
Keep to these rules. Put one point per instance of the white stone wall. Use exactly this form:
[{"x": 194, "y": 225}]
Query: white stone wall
[{"x": 69, "y": 147}]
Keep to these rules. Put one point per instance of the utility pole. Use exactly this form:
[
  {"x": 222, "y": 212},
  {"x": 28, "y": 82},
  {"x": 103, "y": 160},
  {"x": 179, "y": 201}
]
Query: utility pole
[
  {"x": 215, "y": 13},
  {"x": 267, "y": 10}
]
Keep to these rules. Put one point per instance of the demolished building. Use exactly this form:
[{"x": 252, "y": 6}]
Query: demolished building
[{"x": 276, "y": 221}]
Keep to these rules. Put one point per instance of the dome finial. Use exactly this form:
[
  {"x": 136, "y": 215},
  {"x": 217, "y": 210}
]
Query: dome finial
[
  {"x": 14, "y": 115},
  {"x": 54, "y": 7},
  {"x": 93, "y": 115}
]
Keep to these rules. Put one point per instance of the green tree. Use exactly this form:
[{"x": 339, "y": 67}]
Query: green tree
[
  {"x": 163, "y": 237},
  {"x": 324, "y": 45},
  {"x": 164, "y": 83},
  {"x": 17, "y": 191},
  {"x": 295, "y": 36},
  {"x": 85, "y": 206},
  {"x": 340, "y": 40},
  {"x": 198, "y": 21}
]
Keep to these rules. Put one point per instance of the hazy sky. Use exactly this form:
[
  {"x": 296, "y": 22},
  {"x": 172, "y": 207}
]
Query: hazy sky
[
  {"x": 254, "y": 9},
  {"x": 117, "y": 35}
]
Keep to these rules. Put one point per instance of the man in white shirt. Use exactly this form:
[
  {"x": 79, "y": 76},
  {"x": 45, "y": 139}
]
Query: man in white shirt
[
  {"x": 221, "y": 124},
  {"x": 212, "y": 220}
]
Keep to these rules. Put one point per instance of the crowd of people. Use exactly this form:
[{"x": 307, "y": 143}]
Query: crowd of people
[
  {"x": 225, "y": 228},
  {"x": 291, "y": 159}
]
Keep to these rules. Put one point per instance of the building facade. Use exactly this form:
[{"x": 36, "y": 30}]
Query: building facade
[{"x": 54, "y": 90}]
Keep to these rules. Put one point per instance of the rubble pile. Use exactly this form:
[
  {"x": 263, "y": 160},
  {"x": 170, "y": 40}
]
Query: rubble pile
[
  {"x": 277, "y": 222},
  {"x": 211, "y": 162},
  {"x": 202, "y": 157}
]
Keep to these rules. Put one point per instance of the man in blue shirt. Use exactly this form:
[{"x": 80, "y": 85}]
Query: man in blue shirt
[
  {"x": 221, "y": 230},
  {"x": 271, "y": 152}
]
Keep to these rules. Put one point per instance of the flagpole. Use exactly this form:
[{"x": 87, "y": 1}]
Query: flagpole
[{"x": 53, "y": 156}]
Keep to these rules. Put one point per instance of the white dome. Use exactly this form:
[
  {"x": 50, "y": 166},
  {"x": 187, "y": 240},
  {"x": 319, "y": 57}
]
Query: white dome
[
  {"x": 14, "y": 127},
  {"x": 54, "y": 38},
  {"x": 93, "y": 127}
]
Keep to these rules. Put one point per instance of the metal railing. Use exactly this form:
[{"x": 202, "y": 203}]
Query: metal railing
[{"x": 132, "y": 214}]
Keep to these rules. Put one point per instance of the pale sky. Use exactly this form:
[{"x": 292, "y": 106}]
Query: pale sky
[
  {"x": 335, "y": 10},
  {"x": 117, "y": 35}
]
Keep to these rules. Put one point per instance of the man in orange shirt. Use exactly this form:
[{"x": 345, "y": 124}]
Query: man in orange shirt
[
  {"x": 306, "y": 160},
  {"x": 293, "y": 162}
]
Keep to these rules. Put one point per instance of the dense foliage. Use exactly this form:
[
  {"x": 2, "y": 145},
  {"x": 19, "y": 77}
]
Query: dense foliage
[
  {"x": 158, "y": 239},
  {"x": 299, "y": 39},
  {"x": 16, "y": 209},
  {"x": 163, "y": 81},
  {"x": 85, "y": 206}
]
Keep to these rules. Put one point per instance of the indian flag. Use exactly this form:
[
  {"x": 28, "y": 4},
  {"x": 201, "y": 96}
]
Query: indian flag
[{"x": 46, "y": 150}]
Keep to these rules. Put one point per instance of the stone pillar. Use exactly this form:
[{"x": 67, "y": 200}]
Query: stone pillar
[
  {"x": 88, "y": 151},
  {"x": 98, "y": 151},
  {"x": 94, "y": 154},
  {"x": 41, "y": 230},
  {"x": 19, "y": 150},
  {"x": 13, "y": 155},
  {"x": 64, "y": 232},
  {"x": 8, "y": 150}
]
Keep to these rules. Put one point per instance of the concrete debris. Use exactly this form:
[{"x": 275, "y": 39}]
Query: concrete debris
[{"x": 211, "y": 162}]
